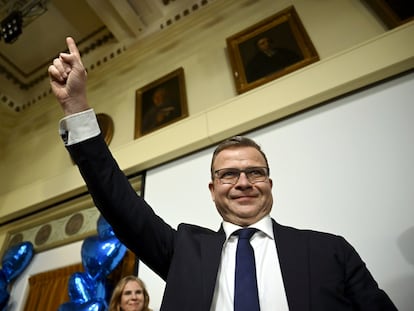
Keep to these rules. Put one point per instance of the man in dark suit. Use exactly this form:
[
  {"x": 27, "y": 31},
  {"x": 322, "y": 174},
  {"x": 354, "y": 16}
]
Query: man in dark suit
[{"x": 295, "y": 269}]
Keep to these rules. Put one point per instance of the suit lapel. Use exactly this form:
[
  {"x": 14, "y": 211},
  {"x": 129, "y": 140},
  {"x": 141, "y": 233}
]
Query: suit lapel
[
  {"x": 293, "y": 253},
  {"x": 211, "y": 247}
]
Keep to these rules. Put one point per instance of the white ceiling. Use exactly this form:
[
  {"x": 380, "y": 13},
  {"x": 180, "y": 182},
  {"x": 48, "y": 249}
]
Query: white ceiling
[{"x": 93, "y": 24}]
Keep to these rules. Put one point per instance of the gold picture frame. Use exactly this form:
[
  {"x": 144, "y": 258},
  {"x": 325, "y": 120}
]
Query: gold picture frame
[
  {"x": 160, "y": 103},
  {"x": 393, "y": 12},
  {"x": 269, "y": 49}
]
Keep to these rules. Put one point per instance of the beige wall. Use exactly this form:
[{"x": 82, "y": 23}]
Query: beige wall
[{"x": 354, "y": 47}]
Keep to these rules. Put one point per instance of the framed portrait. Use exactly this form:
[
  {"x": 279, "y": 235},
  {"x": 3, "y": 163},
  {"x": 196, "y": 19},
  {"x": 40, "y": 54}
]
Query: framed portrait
[
  {"x": 393, "y": 12},
  {"x": 160, "y": 103},
  {"x": 269, "y": 49}
]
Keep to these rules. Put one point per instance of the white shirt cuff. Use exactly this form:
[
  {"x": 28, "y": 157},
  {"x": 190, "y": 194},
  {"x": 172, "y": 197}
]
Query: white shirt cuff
[{"x": 79, "y": 127}]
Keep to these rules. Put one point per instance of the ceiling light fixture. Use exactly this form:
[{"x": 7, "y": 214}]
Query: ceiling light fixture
[{"x": 12, "y": 25}]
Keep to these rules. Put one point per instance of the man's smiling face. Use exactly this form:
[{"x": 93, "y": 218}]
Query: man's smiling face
[{"x": 242, "y": 203}]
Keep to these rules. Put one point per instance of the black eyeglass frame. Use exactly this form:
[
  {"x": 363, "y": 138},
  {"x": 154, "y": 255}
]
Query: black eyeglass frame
[{"x": 247, "y": 171}]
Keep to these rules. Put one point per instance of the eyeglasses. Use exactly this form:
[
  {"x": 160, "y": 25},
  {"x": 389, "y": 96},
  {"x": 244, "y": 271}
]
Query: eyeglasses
[{"x": 232, "y": 175}]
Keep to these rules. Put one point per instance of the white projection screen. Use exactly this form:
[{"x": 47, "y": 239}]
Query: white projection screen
[{"x": 345, "y": 167}]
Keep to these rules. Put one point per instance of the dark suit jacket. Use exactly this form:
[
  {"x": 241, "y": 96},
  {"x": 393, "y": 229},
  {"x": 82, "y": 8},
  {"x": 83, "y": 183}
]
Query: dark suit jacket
[{"x": 320, "y": 271}]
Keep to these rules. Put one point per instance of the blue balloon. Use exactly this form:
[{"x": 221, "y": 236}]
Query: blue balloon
[
  {"x": 101, "y": 256},
  {"x": 4, "y": 294},
  {"x": 4, "y": 298},
  {"x": 81, "y": 287},
  {"x": 16, "y": 259},
  {"x": 104, "y": 228},
  {"x": 3, "y": 280},
  {"x": 100, "y": 289},
  {"x": 96, "y": 305}
]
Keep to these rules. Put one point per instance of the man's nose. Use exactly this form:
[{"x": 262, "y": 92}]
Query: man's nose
[{"x": 243, "y": 180}]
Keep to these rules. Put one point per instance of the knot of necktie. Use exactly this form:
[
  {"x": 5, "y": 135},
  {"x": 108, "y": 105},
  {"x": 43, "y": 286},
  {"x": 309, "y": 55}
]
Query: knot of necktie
[{"x": 245, "y": 233}]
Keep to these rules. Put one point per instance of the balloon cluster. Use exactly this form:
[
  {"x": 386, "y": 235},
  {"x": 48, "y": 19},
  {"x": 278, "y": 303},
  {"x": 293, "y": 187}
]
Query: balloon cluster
[
  {"x": 14, "y": 261},
  {"x": 100, "y": 256}
]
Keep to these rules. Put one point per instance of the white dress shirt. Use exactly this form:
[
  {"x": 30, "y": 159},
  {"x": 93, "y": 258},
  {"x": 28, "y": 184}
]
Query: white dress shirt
[{"x": 272, "y": 295}]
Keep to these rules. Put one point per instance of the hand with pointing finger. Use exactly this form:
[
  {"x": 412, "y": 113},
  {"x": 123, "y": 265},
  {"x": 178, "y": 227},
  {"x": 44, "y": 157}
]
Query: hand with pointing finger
[{"x": 68, "y": 80}]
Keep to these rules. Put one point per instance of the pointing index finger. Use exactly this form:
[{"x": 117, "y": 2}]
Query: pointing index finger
[{"x": 73, "y": 49}]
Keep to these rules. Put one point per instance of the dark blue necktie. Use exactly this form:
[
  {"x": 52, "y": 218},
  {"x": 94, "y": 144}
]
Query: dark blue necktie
[{"x": 246, "y": 297}]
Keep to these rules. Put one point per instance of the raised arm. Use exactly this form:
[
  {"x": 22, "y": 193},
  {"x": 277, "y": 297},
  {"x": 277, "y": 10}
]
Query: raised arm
[
  {"x": 132, "y": 219},
  {"x": 68, "y": 80}
]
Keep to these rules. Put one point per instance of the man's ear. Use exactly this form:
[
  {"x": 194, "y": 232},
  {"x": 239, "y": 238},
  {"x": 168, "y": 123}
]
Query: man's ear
[{"x": 211, "y": 188}]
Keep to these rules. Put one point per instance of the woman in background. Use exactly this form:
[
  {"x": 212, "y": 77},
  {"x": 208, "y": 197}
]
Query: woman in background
[{"x": 130, "y": 294}]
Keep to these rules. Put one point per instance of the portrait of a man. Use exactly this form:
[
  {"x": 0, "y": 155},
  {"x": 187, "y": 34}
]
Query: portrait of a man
[
  {"x": 269, "y": 58},
  {"x": 160, "y": 109},
  {"x": 160, "y": 103},
  {"x": 269, "y": 49}
]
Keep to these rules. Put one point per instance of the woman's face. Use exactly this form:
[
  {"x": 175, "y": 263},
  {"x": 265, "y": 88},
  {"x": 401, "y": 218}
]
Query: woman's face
[{"x": 132, "y": 298}]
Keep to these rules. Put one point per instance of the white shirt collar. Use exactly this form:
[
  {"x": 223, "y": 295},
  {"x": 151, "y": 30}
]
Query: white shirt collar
[{"x": 263, "y": 225}]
